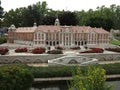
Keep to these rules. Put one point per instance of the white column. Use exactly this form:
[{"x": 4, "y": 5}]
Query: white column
[
  {"x": 62, "y": 39},
  {"x": 71, "y": 39}
]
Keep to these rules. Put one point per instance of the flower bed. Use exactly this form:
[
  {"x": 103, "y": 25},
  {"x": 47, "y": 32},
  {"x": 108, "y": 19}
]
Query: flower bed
[
  {"x": 19, "y": 50},
  {"x": 59, "y": 48},
  {"x": 94, "y": 50},
  {"x": 3, "y": 51},
  {"x": 113, "y": 49},
  {"x": 39, "y": 50},
  {"x": 55, "y": 52},
  {"x": 75, "y": 48}
]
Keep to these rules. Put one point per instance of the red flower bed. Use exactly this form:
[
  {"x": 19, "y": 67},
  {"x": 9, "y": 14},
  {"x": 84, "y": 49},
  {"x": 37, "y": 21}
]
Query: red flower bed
[
  {"x": 55, "y": 52},
  {"x": 19, "y": 50},
  {"x": 39, "y": 50},
  {"x": 59, "y": 48},
  {"x": 94, "y": 50},
  {"x": 113, "y": 49},
  {"x": 3, "y": 51}
]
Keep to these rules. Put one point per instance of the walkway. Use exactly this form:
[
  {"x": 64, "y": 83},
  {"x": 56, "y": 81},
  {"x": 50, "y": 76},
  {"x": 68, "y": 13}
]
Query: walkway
[{"x": 109, "y": 77}]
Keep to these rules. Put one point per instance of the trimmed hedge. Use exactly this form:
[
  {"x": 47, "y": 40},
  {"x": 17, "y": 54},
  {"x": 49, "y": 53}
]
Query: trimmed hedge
[
  {"x": 115, "y": 42},
  {"x": 75, "y": 48},
  {"x": 55, "y": 52},
  {"x": 113, "y": 49},
  {"x": 15, "y": 77},
  {"x": 65, "y": 71}
]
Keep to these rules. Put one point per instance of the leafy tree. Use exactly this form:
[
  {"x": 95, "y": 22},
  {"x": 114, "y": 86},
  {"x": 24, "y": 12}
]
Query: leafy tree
[
  {"x": 26, "y": 16},
  {"x": 14, "y": 17},
  {"x": 48, "y": 20},
  {"x": 98, "y": 22},
  {"x": 68, "y": 18},
  {"x": 82, "y": 17},
  {"x": 93, "y": 79},
  {"x": 1, "y": 13}
]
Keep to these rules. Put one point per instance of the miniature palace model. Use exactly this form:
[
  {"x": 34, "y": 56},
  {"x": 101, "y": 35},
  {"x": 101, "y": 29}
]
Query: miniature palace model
[{"x": 56, "y": 35}]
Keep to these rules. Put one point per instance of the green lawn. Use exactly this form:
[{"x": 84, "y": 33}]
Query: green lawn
[{"x": 115, "y": 42}]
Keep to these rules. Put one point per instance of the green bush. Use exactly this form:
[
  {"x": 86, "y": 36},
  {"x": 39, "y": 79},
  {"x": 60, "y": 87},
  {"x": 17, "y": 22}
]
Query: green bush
[
  {"x": 3, "y": 40},
  {"x": 15, "y": 77},
  {"x": 115, "y": 42},
  {"x": 93, "y": 79}
]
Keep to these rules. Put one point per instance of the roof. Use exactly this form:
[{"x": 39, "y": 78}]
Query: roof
[
  {"x": 47, "y": 28},
  {"x": 52, "y": 28},
  {"x": 26, "y": 29},
  {"x": 78, "y": 29}
]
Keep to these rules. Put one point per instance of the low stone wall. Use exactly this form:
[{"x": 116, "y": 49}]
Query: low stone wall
[
  {"x": 103, "y": 56},
  {"x": 27, "y": 59},
  {"x": 5, "y": 59}
]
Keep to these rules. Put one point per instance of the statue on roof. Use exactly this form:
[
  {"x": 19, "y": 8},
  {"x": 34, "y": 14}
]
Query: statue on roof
[{"x": 57, "y": 22}]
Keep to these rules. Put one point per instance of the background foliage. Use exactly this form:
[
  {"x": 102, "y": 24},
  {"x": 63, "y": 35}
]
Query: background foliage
[{"x": 105, "y": 17}]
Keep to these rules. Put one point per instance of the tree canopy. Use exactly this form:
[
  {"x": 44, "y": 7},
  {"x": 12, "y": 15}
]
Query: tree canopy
[
  {"x": 105, "y": 17},
  {"x": 1, "y": 13}
]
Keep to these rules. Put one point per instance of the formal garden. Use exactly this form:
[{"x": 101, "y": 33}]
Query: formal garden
[{"x": 57, "y": 50}]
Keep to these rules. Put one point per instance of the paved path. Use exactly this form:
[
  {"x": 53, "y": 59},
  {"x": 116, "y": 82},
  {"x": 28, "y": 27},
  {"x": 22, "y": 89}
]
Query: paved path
[
  {"x": 117, "y": 76},
  {"x": 108, "y": 62}
]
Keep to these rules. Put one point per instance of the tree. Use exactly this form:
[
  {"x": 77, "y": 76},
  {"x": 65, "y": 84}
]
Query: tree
[
  {"x": 14, "y": 17},
  {"x": 26, "y": 16},
  {"x": 1, "y": 13},
  {"x": 93, "y": 79},
  {"x": 98, "y": 22},
  {"x": 82, "y": 17},
  {"x": 48, "y": 20},
  {"x": 68, "y": 18}
]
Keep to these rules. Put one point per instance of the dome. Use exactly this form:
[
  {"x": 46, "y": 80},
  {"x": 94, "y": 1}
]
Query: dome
[
  {"x": 57, "y": 20},
  {"x": 12, "y": 27}
]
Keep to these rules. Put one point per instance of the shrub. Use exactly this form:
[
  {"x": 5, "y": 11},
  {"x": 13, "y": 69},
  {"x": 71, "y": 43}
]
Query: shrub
[
  {"x": 15, "y": 77},
  {"x": 55, "y": 52},
  {"x": 93, "y": 79},
  {"x": 115, "y": 42},
  {"x": 3, "y": 40},
  {"x": 113, "y": 49},
  {"x": 3, "y": 51},
  {"x": 94, "y": 50},
  {"x": 39, "y": 50},
  {"x": 75, "y": 48},
  {"x": 18, "y": 50}
]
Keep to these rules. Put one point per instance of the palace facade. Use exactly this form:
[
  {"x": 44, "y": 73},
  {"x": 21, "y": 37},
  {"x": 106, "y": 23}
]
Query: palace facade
[{"x": 56, "y": 35}]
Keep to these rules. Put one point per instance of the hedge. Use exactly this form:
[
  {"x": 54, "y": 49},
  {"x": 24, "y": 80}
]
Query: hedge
[
  {"x": 65, "y": 71},
  {"x": 15, "y": 77}
]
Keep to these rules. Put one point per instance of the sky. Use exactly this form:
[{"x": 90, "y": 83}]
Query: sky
[{"x": 71, "y": 5}]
